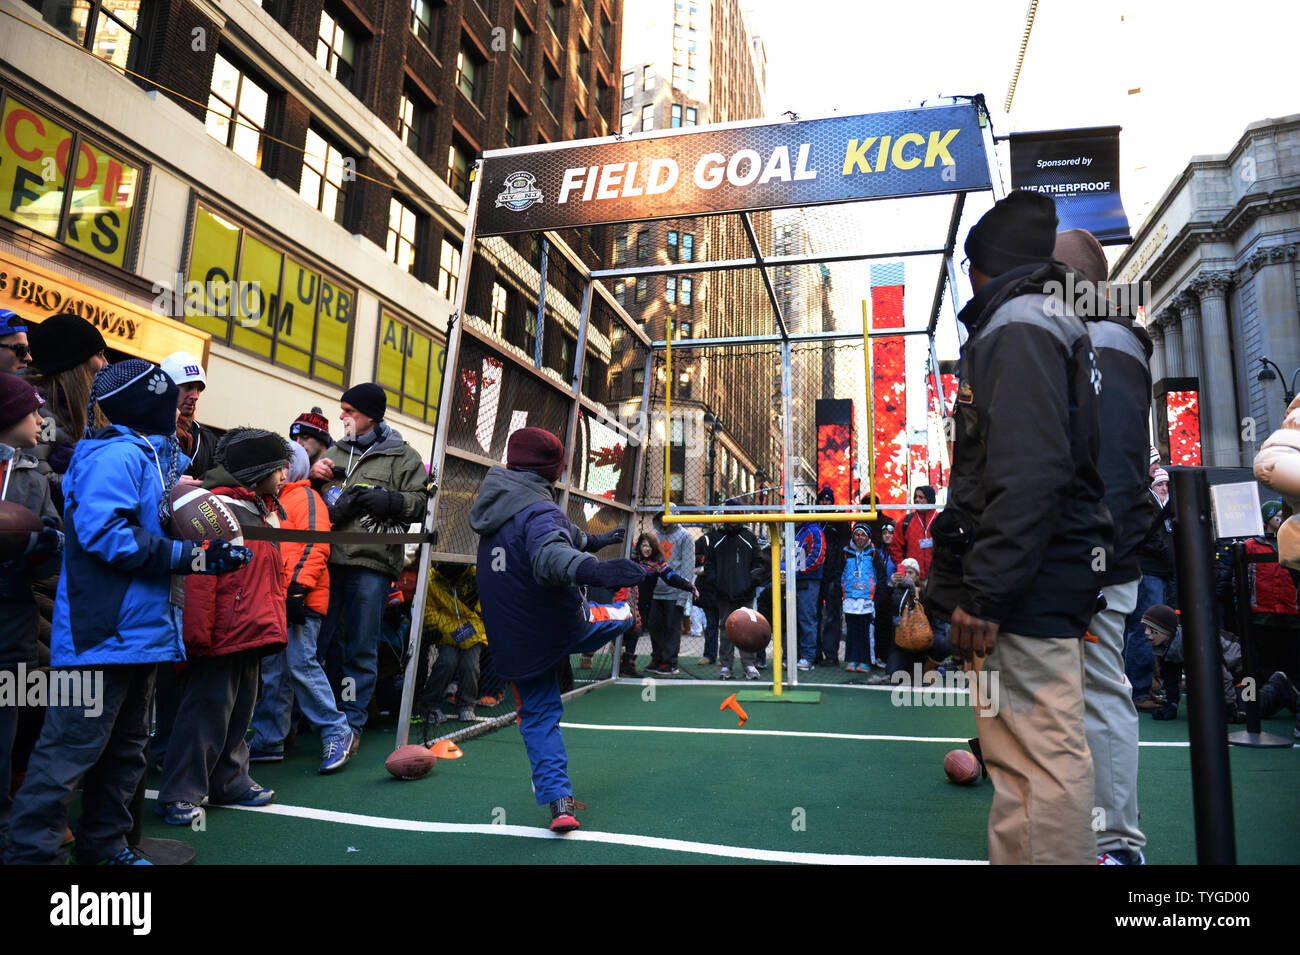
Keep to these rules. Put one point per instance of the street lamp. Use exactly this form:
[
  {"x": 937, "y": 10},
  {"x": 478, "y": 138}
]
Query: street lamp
[
  {"x": 714, "y": 425},
  {"x": 1271, "y": 372}
]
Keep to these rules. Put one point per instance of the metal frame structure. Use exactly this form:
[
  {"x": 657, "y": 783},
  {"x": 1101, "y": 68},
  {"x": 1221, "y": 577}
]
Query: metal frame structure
[{"x": 782, "y": 336}]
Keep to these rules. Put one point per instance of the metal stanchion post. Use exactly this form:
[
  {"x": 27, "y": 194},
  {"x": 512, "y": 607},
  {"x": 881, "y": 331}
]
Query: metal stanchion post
[{"x": 1211, "y": 774}]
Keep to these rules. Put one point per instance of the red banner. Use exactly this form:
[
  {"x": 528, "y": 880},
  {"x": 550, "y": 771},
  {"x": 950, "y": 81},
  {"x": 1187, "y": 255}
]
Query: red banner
[{"x": 889, "y": 440}]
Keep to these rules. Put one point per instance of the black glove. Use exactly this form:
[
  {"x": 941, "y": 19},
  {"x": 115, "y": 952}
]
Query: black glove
[
  {"x": 676, "y": 580},
  {"x": 45, "y": 543},
  {"x": 295, "y": 605},
  {"x": 346, "y": 506},
  {"x": 620, "y": 572},
  {"x": 1167, "y": 712},
  {"x": 218, "y": 557},
  {"x": 596, "y": 541},
  {"x": 380, "y": 503},
  {"x": 60, "y": 458}
]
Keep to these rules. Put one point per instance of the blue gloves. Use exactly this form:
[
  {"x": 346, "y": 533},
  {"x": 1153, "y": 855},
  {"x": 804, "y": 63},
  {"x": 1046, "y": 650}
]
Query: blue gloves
[
  {"x": 610, "y": 573},
  {"x": 596, "y": 541}
]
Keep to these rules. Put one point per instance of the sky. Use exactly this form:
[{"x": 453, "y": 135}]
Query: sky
[{"x": 1182, "y": 78}]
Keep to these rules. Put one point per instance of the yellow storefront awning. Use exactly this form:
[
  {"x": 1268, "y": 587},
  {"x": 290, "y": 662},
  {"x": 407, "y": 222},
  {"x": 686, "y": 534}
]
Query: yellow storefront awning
[{"x": 36, "y": 294}]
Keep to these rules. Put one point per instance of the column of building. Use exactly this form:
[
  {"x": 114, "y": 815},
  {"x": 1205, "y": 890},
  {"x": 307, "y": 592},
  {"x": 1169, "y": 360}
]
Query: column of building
[
  {"x": 1169, "y": 320},
  {"x": 1279, "y": 323},
  {"x": 1208, "y": 301}
]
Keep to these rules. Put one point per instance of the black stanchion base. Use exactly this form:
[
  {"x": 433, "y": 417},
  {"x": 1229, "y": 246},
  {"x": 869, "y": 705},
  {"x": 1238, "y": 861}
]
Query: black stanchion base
[
  {"x": 1259, "y": 740},
  {"x": 166, "y": 851}
]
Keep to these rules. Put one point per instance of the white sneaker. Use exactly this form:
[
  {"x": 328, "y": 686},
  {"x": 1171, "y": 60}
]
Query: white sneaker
[
  {"x": 724, "y": 673},
  {"x": 751, "y": 673},
  {"x": 805, "y": 665}
]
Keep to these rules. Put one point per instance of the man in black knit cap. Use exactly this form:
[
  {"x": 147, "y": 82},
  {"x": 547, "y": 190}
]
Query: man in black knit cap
[
  {"x": 374, "y": 481},
  {"x": 1019, "y": 547}
]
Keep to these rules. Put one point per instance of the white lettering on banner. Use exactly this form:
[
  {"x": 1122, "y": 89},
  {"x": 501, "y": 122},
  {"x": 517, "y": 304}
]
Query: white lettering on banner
[{"x": 632, "y": 180}]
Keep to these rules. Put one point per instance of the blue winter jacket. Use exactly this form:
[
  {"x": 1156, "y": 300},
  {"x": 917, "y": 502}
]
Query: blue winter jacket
[
  {"x": 114, "y": 601},
  {"x": 528, "y": 554},
  {"x": 859, "y": 577}
]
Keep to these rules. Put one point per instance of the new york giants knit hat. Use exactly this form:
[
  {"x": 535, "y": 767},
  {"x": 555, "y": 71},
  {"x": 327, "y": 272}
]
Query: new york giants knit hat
[{"x": 312, "y": 424}]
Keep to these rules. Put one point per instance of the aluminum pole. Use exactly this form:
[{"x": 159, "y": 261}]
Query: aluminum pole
[{"x": 454, "y": 324}]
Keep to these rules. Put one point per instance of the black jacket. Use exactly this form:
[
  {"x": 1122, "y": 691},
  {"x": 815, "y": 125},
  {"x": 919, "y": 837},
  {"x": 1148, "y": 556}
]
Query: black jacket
[
  {"x": 203, "y": 457},
  {"x": 1123, "y": 350},
  {"x": 734, "y": 565},
  {"x": 1025, "y": 490},
  {"x": 1156, "y": 552}
]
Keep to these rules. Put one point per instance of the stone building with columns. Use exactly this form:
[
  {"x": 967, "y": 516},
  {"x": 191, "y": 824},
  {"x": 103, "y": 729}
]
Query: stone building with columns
[{"x": 1220, "y": 253}]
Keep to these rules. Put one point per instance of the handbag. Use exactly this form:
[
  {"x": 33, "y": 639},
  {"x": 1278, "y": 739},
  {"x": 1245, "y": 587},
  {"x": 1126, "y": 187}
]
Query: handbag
[{"x": 913, "y": 632}]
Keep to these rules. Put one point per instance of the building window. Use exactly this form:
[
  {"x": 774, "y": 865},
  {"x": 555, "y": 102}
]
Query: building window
[
  {"x": 448, "y": 270},
  {"x": 323, "y": 184},
  {"x": 643, "y": 245},
  {"x": 519, "y": 43},
  {"x": 470, "y": 70},
  {"x": 584, "y": 61},
  {"x": 684, "y": 328},
  {"x": 690, "y": 79},
  {"x": 604, "y": 96},
  {"x": 670, "y": 293},
  {"x": 515, "y": 119},
  {"x": 616, "y": 382},
  {"x": 647, "y": 78},
  {"x": 677, "y": 116},
  {"x": 36, "y": 161},
  {"x": 336, "y": 49},
  {"x": 579, "y": 124},
  {"x": 687, "y": 286},
  {"x": 426, "y": 22},
  {"x": 499, "y": 302},
  {"x": 679, "y": 76},
  {"x": 688, "y": 247},
  {"x": 620, "y": 292},
  {"x": 298, "y": 317},
  {"x": 690, "y": 116},
  {"x": 642, "y": 289},
  {"x": 604, "y": 31},
  {"x": 109, "y": 29},
  {"x": 628, "y": 125},
  {"x": 550, "y": 85},
  {"x": 401, "y": 234},
  {"x": 459, "y": 161},
  {"x": 620, "y": 249},
  {"x": 237, "y": 108},
  {"x": 413, "y": 119},
  {"x": 647, "y": 117},
  {"x": 553, "y": 12},
  {"x": 409, "y": 368},
  {"x": 672, "y": 246},
  {"x": 638, "y": 379}
]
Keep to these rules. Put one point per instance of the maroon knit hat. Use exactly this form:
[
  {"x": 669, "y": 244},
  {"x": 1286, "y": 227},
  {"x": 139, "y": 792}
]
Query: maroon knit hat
[
  {"x": 533, "y": 449},
  {"x": 18, "y": 399}
]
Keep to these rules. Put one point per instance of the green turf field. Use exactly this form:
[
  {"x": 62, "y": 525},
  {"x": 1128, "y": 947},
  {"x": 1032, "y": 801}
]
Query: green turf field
[{"x": 669, "y": 778}]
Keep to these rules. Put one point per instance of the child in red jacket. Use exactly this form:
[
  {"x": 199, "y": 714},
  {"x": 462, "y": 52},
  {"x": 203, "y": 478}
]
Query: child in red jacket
[{"x": 231, "y": 622}]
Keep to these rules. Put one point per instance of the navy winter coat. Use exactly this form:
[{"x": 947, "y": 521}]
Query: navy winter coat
[{"x": 528, "y": 554}]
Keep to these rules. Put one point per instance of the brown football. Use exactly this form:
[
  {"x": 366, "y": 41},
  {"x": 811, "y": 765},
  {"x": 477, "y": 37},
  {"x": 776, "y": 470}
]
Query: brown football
[
  {"x": 748, "y": 630},
  {"x": 410, "y": 762},
  {"x": 199, "y": 515},
  {"x": 17, "y": 524}
]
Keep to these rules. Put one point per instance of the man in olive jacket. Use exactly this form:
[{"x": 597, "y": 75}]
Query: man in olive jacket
[{"x": 372, "y": 481}]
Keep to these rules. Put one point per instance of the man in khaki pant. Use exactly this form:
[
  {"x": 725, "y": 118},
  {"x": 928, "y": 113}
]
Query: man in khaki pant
[{"x": 1018, "y": 549}]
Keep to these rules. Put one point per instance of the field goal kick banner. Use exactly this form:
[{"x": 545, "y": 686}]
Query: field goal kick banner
[{"x": 693, "y": 171}]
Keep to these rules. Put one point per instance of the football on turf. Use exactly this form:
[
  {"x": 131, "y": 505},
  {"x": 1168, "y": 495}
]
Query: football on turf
[
  {"x": 962, "y": 767},
  {"x": 748, "y": 630},
  {"x": 17, "y": 524},
  {"x": 199, "y": 515},
  {"x": 410, "y": 762}
]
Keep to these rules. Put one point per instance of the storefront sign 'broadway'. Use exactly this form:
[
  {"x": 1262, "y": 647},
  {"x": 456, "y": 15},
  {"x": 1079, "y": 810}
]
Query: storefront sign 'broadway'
[{"x": 732, "y": 169}]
